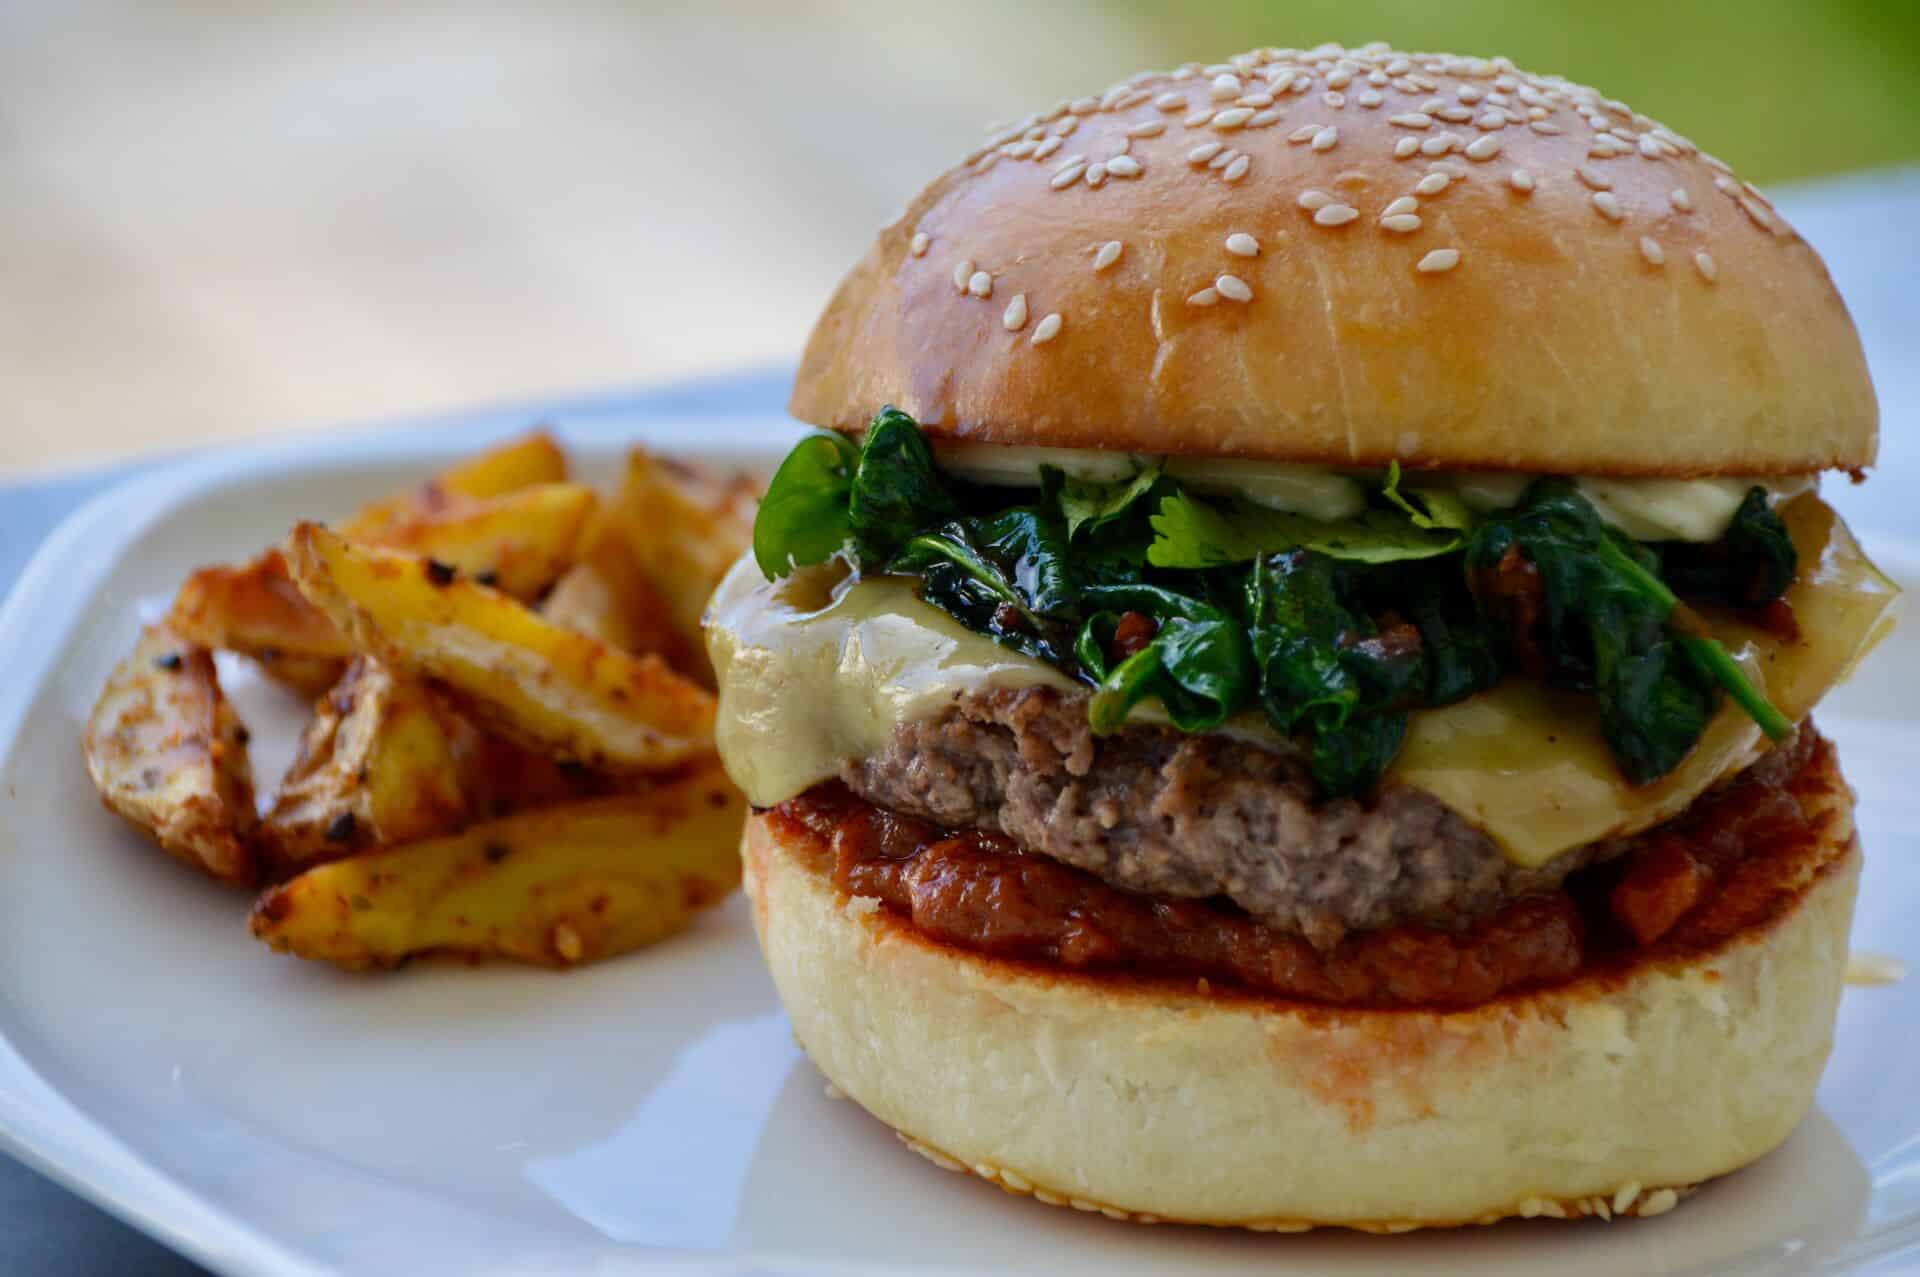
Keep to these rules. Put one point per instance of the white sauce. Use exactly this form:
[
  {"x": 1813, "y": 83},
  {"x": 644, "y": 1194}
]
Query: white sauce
[{"x": 1644, "y": 509}]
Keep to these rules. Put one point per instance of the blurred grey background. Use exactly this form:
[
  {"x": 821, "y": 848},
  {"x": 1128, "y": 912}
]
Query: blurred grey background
[{"x": 220, "y": 219}]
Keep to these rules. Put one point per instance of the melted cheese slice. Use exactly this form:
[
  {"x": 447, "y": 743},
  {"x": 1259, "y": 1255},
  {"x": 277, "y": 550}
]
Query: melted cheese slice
[{"x": 817, "y": 670}]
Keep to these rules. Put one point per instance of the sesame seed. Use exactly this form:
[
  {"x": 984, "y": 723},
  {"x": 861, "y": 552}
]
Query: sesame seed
[
  {"x": 1148, "y": 128},
  {"x": 1204, "y": 152},
  {"x": 1335, "y": 215},
  {"x": 1483, "y": 148},
  {"x": 1223, "y": 159},
  {"x": 1681, "y": 201},
  {"x": 1405, "y": 146},
  {"x": 1255, "y": 100},
  {"x": 1624, "y": 1197},
  {"x": 1369, "y": 98},
  {"x": 1652, "y": 147},
  {"x": 1096, "y": 173},
  {"x": 1541, "y": 126},
  {"x": 1726, "y": 186},
  {"x": 1241, "y": 244},
  {"x": 980, "y": 284},
  {"x": 1232, "y": 117},
  {"x": 1084, "y": 106},
  {"x": 1171, "y": 100},
  {"x": 1607, "y": 206},
  {"x": 1046, "y": 330},
  {"x": 1205, "y": 297},
  {"x": 1123, "y": 166},
  {"x": 1411, "y": 120},
  {"x": 1233, "y": 288},
  {"x": 1326, "y": 139},
  {"x": 1440, "y": 259},
  {"x": 1046, "y": 148},
  {"x": 1224, "y": 87},
  {"x": 1454, "y": 114},
  {"x": 1313, "y": 201},
  {"x": 567, "y": 942},
  {"x": 919, "y": 245},
  {"x": 1269, "y": 116},
  {"x": 1651, "y": 250},
  {"x": 1304, "y": 133},
  {"x": 1439, "y": 144},
  {"x": 1405, "y": 204},
  {"x": 1237, "y": 170},
  {"x": 962, "y": 272},
  {"x": 1068, "y": 176},
  {"x": 1280, "y": 80},
  {"x": 1197, "y": 119},
  {"x": 1659, "y": 1202},
  {"x": 1757, "y": 211},
  {"x": 1109, "y": 254},
  {"x": 1066, "y": 126},
  {"x": 1016, "y": 317},
  {"x": 1432, "y": 184},
  {"x": 1593, "y": 177},
  {"x": 1521, "y": 180},
  {"x": 1401, "y": 223},
  {"x": 1022, "y": 149},
  {"x": 986, "y": 161}
]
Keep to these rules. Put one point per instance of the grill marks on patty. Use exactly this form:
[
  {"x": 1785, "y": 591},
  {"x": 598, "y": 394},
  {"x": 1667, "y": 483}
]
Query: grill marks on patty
[
  {"x": 1156, "y": 811},
  {"x": 1745, "y": 851}
]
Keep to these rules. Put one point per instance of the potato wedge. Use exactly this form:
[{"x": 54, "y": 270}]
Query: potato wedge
[
  {"x": 523, "y": 541},
  {"x": 685, "y": 527},
  {"x": 531, "y": 681},
  {"x": 521, "y": 463},
  {"x": 606, "y": 596},
  {"x": 168, "y": 753},
  {"x": 256, "y": 610},
  {"x": 555, "y": 887},
  {"x": 383, "y": 761},
  {"x": 519, "y": 542}
]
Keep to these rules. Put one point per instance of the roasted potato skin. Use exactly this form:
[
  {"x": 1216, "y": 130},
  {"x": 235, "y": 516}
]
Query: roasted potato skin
[
  {"x": 532, "y": 459},
  {"x": 520, "y": 542},
  {"x": 383, "y": 760},
  {"x": 684, "y": 526},
  {"x": 533, "y": 682},
  {"x": 167, "y": 752},
  {"x": 555, "y": 887},
  {"x": 256, "y": 610}
]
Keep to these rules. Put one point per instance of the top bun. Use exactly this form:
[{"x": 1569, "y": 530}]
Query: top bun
[{"x": 1349, "y": 257}]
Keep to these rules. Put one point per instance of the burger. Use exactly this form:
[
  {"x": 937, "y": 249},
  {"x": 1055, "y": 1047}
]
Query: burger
[{"x": 1280, "y": 694}]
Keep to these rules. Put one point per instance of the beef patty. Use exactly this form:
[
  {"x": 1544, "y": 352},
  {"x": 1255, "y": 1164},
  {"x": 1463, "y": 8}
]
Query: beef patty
[
  {"x": 1156, "y": 811},
  {"x": 1732, "y": 860}
]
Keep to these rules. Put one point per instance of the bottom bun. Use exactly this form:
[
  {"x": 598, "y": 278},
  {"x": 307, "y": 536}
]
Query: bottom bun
[{"x": 1610, "y": 1095}]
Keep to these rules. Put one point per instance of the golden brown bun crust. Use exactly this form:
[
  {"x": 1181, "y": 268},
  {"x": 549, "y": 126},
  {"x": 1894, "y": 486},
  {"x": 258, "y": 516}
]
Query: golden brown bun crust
[
  {"x": 1692, "y": 334},
  {"x": 1610, "y": 1095}
]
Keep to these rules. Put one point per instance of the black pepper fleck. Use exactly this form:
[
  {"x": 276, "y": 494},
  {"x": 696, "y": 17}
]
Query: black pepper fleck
[
  {"x": 341, "y": 829},
  {"x": 497, "y": 852},
  {"x": 439, "y": 573},
  {"x": 487, "y": 578},
  {"x": 168, "y": 661}
]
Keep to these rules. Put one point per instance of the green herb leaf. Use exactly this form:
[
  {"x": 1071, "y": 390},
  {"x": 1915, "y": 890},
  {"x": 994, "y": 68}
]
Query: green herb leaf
[
  {"x": 896, "y": 490},
  {"x": 803, "y": 519},
  {"x": 1606, "y": 627},
  {"x": 1751, "y": 565},
  {"x": 1430, "y": 508},
  {"x": 1199, "y": 662},
  {"x": 1194, "y": 533},
  {"x": 1090, "y": 506},
  {"x": 1325, "y": 672}
]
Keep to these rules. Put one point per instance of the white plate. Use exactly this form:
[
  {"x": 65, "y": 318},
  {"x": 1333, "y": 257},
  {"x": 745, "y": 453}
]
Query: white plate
[{"x": 268, "y": 1116}]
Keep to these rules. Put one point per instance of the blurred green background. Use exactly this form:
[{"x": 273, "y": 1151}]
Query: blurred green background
[{"x": 1780, "y": 89}]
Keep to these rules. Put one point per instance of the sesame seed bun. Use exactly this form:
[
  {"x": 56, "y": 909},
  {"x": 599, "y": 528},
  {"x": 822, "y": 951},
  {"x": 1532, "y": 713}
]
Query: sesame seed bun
[
  {"x": 1350, "y": 257},
  {"x": 1612, "y": 1094}
]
